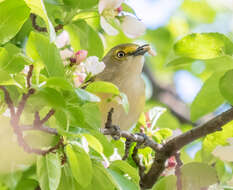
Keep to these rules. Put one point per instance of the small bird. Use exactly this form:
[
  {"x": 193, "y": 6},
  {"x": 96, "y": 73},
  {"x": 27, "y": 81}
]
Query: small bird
[{"x": 124, "y": 65}]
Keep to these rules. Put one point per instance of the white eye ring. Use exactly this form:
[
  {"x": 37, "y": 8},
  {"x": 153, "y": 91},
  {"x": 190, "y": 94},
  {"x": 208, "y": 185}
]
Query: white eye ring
[{"x": 120, "y": 54}]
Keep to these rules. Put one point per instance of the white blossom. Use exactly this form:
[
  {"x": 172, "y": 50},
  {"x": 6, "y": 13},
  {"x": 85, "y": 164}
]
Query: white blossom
[
  {"x": 108, "y": 28},
  {"x": 132, "y": 27},
  {"x": 109, "y": 4},
  {"x": 93, "y": 65},
  {"x": 62, "y": 39},
  {"x": 115, "y": 156}
]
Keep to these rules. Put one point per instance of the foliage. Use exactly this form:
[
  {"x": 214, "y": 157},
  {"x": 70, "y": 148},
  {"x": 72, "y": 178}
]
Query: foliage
[{"x": 86, "y": 159}]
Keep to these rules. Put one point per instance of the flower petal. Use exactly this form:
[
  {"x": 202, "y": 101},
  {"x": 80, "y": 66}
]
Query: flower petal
[
  {"x": 108, "y": 27},
  {"x": 93, "y": 66},
  {"x": 62, "y": 39},
  {"x": 132, "y": 27},
  {"x": 109, "y": 4},
  {"x": 80, "y": 56}
]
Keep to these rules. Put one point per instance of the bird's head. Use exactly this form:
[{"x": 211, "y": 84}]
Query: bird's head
[{"x": 123, "y": 60}]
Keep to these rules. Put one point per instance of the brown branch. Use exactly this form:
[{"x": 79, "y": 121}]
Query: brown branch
[
  {"x": 127, "y": 147},
  {"x": 178, "y": 172},
  {"x": 42, "y": 29},
  {"x": 172, "y": 146},
  {"x": 136, "y": 159},
  {"x": 29, "y": 76},
  {"x": 39, "y": 128},
  {"x": 15, "y": 119}
]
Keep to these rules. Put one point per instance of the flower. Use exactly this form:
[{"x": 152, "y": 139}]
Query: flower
[
  {"x": 110, "y": 11},
  {"x": 62, "y": 40},
  {"x": 80, "y": 56},
  {"x": 132, "y": 27},
  {"x": 93, "y": 66}
]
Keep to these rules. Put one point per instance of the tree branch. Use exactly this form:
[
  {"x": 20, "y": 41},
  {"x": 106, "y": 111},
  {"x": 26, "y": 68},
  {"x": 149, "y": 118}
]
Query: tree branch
[
  {"x": 172, "y": 146},
  {"x": 38, "y": 124},
  {"x": 42, "y": 29}
]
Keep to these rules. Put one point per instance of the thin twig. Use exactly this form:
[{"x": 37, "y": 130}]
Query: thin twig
[
  {"x": 29, "y": 76},
  {"x": 42, "y": 29},
  {"x": 136, "y": 159},
  {"x": 178, "y": 171}
]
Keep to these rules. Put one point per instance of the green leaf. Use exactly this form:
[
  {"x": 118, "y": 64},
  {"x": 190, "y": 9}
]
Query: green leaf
[
  {"x": 224, "y": 171},
  {"x": 76, "y": 116},
  {"x": 226, "y": 86},
  {"x": 88, "y": 38},
  {"x": 26, "y": 184},
  {"x": 80, "y": 164},
  {"x": 126, "y": 169},
  {"x": 13, "y": 14},
  {"x": 92, "y": 115},
  {"x": 122, "y": 181},
  {"x": 86, "y": 96},
  {"x": 52, "y": 97},
  {"x": 81, "y": 4},
  {"x": 38, "y": 8},
  {"x": 5, "y": 78},
  {"x": 208, "y": 98},
  {"x": 166, "y": 183},
  {"x": 94, "y": 143},
  {"x": 218, "y": 138},
  {"x": 200, "y": 11},
  {"x": 39, "y": 48},
  {"x": 58, "y": 82},
  {"x": 197, "y": 175},
  {"x": 12, "y": 59},
  {"x": 180, "y": 61},
  {"x": 204, "y": 46},
  {"x": 101, "y": 179},
  {"x": 67, "y": 179},
  {"x": 49, "y": 171},
  {"x": 103, "y": 87}
]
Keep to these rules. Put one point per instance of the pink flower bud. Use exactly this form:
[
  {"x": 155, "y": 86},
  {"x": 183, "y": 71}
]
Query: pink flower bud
[
  {"x": 80, "y": 56},
  {"x": 119, "y": 9}
]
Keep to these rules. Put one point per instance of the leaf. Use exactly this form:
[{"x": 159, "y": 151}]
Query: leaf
[
  {"x": 39, "y": 48},
  {"x": 204, "y": 46},
  {"x": 226, "y": 86},
  {"x": 94, "y": 143},
  {"x": 26, "y": 184},
  {"x": 38, "y": 8},
  {"x": 123, "y": 182},
  {"x": 52, "y": 97},
  {"x": 58, "y": 82},
  {"x": 103, "y": 87},
  {"x": 49, "y": 171},
  {"x": 13, "y": 14},
  {"x": 86, "y": 96},
  {"x": 197, "y": 175},
  {"x": 224, "y": 171},
  {"x": 166, "y": 183},
  {"x": 5, "y": 78},
  {"x": 102, "y": 178},
  {"x": 126, "y": 169},
  {"x": 92, "y": 115},
  {"x": 200, "y": 11},
  {"x": 127, "y": 8},
  {"x": 208, "y": 98},
  {"x": 12, "y": 59},
  {"x": 80, "y": 164},
  {"x": 81, "y": 4},
  {"x": 180, "y": 61},
  {"x": 88, "y": 38},
  {"x": 218, "y": 138},
  {"x": 67, "y": 179}
]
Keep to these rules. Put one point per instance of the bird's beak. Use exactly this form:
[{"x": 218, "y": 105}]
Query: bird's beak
[{"x": 141, "y": 50}]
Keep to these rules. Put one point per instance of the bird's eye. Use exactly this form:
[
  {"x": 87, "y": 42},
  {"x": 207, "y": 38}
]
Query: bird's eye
[{"x": 120, "y": 54}]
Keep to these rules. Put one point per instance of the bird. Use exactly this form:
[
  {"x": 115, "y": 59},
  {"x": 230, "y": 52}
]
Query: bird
[{"x": 123, "y": 68}]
